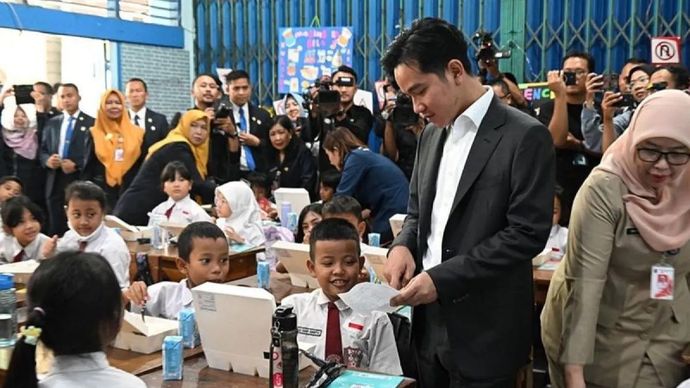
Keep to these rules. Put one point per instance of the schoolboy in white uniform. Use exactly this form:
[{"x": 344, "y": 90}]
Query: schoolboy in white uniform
[
  {"x": 339, "y": 334},
  {"x": 86, "y": 205},
  {"x": 203, "y": 250},
  {"x": 179, "y": 208}
]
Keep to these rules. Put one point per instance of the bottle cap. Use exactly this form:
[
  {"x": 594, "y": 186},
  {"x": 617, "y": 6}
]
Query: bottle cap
[
  {"x": 6, "y": 281},
  {"x": 285, "y": 318}
]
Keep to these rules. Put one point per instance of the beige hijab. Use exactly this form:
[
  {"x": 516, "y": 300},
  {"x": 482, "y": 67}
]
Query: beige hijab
[{"x": 661, "y": 216}]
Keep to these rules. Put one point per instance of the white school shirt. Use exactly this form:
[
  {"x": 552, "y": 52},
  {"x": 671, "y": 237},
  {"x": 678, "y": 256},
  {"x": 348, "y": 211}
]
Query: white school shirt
[
  {"x": 185, "y": 211},
  {"x": 63, "y": 130},
  {"x": 106, "y": 242},
  {"x": 88, "y": 370},
  {"x": 558, "y": 238},
  {"x": 11, "y": 248},
  {"x": 455, "y": 152},
  {"x": 367, "y": 340},
  {"x": 167, "y": 299}
]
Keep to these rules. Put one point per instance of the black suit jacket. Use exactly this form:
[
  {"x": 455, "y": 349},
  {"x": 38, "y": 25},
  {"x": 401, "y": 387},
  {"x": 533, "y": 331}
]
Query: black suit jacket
[
  {"x": 500, "y": 219},
  {"x": 260, "y": 123},
  {"x": 156, "y": 129},
  {"x": 78, "y": 150}
]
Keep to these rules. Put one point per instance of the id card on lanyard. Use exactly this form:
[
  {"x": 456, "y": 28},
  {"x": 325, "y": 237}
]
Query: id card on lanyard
[
  {"x": 119, "y": 150},
  {"x": 663, "y": 278}
]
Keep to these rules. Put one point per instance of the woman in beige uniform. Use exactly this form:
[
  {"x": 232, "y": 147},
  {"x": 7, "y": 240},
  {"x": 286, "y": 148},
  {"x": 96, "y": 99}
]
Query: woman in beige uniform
[{"x": 604, "y": 323}]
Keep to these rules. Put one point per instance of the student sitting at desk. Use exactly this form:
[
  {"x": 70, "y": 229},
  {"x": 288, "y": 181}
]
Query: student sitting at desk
[
  {"x": 179, "y": 208},
  {"x": 22, "y": 221},
  {"x": 355, "y": 340},
  {"x": 87, "y": 232},
  {"x": 75, "y": 309},
  {"x": 203, "y": 251},
  {"x": 238, "y": 214}
]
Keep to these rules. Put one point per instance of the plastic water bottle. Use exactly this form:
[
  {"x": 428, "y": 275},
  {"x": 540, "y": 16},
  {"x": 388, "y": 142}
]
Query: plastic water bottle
[
  {"x": 285, "y": 209},
  {"x": 159, "y": 236},
  {"x": 284, "y": 363},
  {"x": 8, "y": 310}
]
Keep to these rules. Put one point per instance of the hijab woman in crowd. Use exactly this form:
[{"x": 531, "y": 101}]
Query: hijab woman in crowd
[
  {"x": 372, "y": 179},
  {"x": 115, "y": 148},
  {"x": 187, "y": 143},
  {"x": 294, "y": 109},
  {"x": 610, "y": 319},
  {"x": 290, "y": 163},
  {"x": 19, "y": 148}
]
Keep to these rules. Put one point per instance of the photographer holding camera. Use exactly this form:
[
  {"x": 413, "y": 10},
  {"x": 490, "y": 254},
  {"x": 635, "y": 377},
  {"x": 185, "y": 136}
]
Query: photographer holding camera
[
  {"x": 401, "y": 129},
  {"x": 617, "y": 107},
  {"x": 328, "y": 110}
]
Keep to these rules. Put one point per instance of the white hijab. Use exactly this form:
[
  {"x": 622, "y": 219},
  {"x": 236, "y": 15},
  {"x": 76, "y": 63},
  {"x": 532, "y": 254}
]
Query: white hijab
[{"x": 246, "y": 214}]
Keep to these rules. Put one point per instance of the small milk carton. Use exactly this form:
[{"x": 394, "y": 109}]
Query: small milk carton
[
  {"x": 173, "y": 358},
  {"x": 188, "y": 328}
]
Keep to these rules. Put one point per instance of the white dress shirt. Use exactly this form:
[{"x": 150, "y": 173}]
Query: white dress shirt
[
  {"x": 63, "y": 130},
  {"x": 167, "y": 299},
  {"x": 87, "y": 370},
  {"x": 236, "y": 117},
  {"x": 558, "y": 238},
  {"x": 455, "y": 152},
  {"x": 142, "y": 117},
  {"x": 11, "y": 248},
  {"x": 185, "y": 211},
  {"x": 106, "y": 242},
  {"x": 367, "y": 340}
]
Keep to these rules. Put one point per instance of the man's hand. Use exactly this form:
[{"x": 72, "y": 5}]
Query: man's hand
[
  {"x": 68, "y": 166},
  {"x": 227, "y": 126},
  {"x": 399, "y": 267},
  {"x": 137, "y": 293},
  {"x": 210, "y": 113},
  {"x": 608, "y": 107},
  {"x": 53, "y": 162},
  {"x": 249, "y": 139},
  {"x": 594, "y": 84},
  {"x": 556, "y": 82},
  {"x": 420, "y": 290},
  {"x": 574, "y": 376}
]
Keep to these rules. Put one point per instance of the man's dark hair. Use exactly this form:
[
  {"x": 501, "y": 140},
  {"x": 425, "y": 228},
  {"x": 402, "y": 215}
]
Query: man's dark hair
[
  {"x": 70, "y": 85},
  {"x": 47, "y": 89},
  {"x": 333, "y": 229},
  {"x": 429, "y": 44},
  {"x": 237, "y": 74},
  {"x": 581, "y": 55},
  {"x": 342, "y": 204},
  {"x": 135, "y": 79},
  {"x": 11, "y": 178},
  {"x": 634, "y": 61},
  {"x": 200, "y": 229},
  {"x": 213, "y": 76},
  {"x": 679, "y": 73},
  {"x": 500, "y": 83},
  {"x": 56, "y": 86},
  {"x": 345, "y": 69}
]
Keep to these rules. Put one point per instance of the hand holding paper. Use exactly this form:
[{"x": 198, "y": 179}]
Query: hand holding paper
[{"x": 367, "y": 297}]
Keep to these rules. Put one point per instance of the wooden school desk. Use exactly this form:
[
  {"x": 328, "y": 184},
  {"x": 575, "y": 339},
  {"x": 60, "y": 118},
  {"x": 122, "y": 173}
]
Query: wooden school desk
[
  {"x": 541, "y": 280},
  {"x": 162, "y": 263}
]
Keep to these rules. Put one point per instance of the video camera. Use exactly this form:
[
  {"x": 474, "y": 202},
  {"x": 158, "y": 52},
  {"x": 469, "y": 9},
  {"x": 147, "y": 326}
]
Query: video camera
[
  {"x": 487, "y": 47},
  {"x": 403, "y": 114},
  {"x": 327, "y": 99}
]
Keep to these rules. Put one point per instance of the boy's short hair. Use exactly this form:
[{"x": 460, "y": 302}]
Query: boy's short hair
[
  {"x": 332, "y": 229},
  {"x": 259, "y": 179},
  {"x": 13, "y": 211},
  {"x": 235, "y": 75},
  {"x": 171, "y": 170},
  {"x": 200, "y": 229},
  {"x": 342, "y": 204},
  {"x": 11, "y": 178},
  {"x": 330, "y": 179},
  {"x": 86, "y": 191}
]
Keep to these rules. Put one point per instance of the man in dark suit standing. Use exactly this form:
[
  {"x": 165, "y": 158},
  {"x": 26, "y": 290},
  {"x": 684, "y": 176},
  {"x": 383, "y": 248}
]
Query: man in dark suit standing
[
  {"x": 252, "y": 122},
  {"x": 480, "y": 207},
  {"x": 63, "y": 152},
  {"x": 153, "y": 123}
]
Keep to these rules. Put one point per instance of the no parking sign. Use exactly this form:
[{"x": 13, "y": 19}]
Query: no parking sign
[{"x": 665, "y": 50}]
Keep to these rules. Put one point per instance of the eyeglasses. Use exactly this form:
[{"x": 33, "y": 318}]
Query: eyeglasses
[
  {"x": 639, "y": 80},
  {"x": 673, "y": 158}
]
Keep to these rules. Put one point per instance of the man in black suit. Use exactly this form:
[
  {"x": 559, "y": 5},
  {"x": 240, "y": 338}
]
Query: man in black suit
[
  {"x": 480, "y": 208},
  {"x": 154, "y": 124},
  {"x": 63, "y": 152},
  {"x": 252, "y": 122}
]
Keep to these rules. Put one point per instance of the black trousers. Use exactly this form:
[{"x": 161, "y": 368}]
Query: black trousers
[{"x": 436, "y": 364}]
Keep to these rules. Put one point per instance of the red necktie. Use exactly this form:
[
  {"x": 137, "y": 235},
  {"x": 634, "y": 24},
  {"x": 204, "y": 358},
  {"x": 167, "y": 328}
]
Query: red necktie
[
  {"x": 334, "y": 345},
  {"x": 19, "y": 256},
  {"x": 82, "y": 245},
  {"x": 169, "y": 211}
]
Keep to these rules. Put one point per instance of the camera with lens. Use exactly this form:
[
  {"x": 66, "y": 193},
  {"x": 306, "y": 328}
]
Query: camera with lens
[
  {"x": 327, "y": 99},
  {"x": 487, "y": 49},
  {"x": 222, "y": 111},
  {"x": 403, "y": 114}
]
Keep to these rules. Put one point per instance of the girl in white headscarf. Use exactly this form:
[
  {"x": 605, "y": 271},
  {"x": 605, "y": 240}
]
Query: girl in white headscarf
[{"x": 239, "y": 214}]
